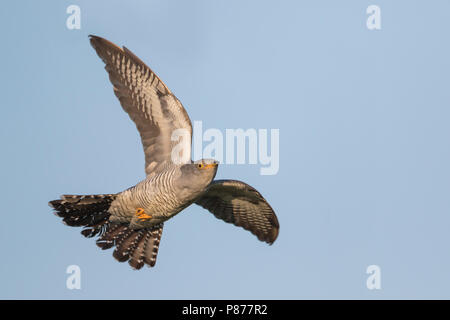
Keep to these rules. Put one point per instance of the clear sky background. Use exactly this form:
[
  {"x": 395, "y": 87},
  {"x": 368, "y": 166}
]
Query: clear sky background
[{"x": 363, "y": 115}]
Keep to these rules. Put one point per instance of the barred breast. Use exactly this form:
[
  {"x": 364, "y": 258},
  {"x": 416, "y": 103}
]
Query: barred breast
[{"x": 156, "y": 195}]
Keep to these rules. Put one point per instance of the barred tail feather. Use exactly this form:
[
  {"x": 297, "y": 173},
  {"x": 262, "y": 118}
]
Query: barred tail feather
[
  {"x": 110, "y": 236},
  {"x": 126, "y": 248},
  {"x": 137, "y": 257},
  {"x": 123, "y": 244},
  {"x": 152, "y": 247},
  {"x": 88, "y": 211},
  {"x": 137, "y": 246}
]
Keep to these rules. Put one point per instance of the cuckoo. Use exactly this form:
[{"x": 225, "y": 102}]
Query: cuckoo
[{"x": 132, "y": 220}]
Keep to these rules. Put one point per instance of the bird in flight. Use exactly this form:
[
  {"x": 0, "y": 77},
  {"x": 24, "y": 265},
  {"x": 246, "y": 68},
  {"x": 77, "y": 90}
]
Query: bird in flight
[{"x": 133, "y": 220}]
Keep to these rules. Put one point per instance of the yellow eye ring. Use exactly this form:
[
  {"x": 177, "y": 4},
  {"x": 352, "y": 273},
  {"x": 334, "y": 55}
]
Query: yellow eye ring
[{"x": 200, "y": 165}]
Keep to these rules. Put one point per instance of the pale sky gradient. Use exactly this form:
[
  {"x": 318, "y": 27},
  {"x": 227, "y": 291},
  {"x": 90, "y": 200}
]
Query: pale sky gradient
[{"x": 364, "y": 145}]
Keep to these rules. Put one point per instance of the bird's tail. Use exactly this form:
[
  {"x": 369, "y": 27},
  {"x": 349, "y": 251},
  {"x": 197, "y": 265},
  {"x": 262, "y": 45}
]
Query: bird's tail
[
  {"x": 89, "y": 211},
  {"x": 137, "y": 246}
]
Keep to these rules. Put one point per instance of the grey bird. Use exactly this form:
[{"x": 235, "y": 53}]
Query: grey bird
[{"x": 133, "y": 220}]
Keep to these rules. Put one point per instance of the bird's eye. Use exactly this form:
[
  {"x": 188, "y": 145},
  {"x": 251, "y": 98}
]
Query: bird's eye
[{"x": 200, "y": 165}]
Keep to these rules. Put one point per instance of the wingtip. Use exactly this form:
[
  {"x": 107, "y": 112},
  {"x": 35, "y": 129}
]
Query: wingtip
[
  {"x": 93, "y": 36},
  {"x": 100, "y": 43},
  {"x": 274, "y": 235},
  {"x": 93, "y": 39}
]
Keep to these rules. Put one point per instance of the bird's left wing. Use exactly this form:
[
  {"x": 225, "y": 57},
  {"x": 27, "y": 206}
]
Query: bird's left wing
[
  {"x": 238, "y": 203},
  {"x": 159, "y": 116}
]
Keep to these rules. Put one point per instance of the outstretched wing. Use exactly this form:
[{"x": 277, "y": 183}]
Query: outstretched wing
[
  {"x": 157, "y": 113},
  {"x": 238, "y": 203}
]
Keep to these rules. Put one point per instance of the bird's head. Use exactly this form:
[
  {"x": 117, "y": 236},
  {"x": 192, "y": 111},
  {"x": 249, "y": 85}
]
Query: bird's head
[
  {"x": 198, "y": 174},
  {"x": 204, "y": 169},
  {"x": 205, "y": 165}
]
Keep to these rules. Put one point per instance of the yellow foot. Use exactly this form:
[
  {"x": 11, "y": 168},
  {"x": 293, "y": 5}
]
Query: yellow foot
[{"x": 140, "y": 213}]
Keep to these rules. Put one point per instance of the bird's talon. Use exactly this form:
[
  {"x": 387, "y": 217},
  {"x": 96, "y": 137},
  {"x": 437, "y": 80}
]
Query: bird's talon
[{"x": 140, "y": 213}]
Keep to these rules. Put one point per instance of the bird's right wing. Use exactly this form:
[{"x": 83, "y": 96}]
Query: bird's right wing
[
  {"x": 236, "y": 202},
  {"x": 156, "y": 112}
]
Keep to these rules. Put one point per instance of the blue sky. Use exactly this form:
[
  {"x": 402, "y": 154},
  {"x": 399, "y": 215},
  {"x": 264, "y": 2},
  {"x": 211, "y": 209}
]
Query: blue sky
[{"x": 363, "y": 116}]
